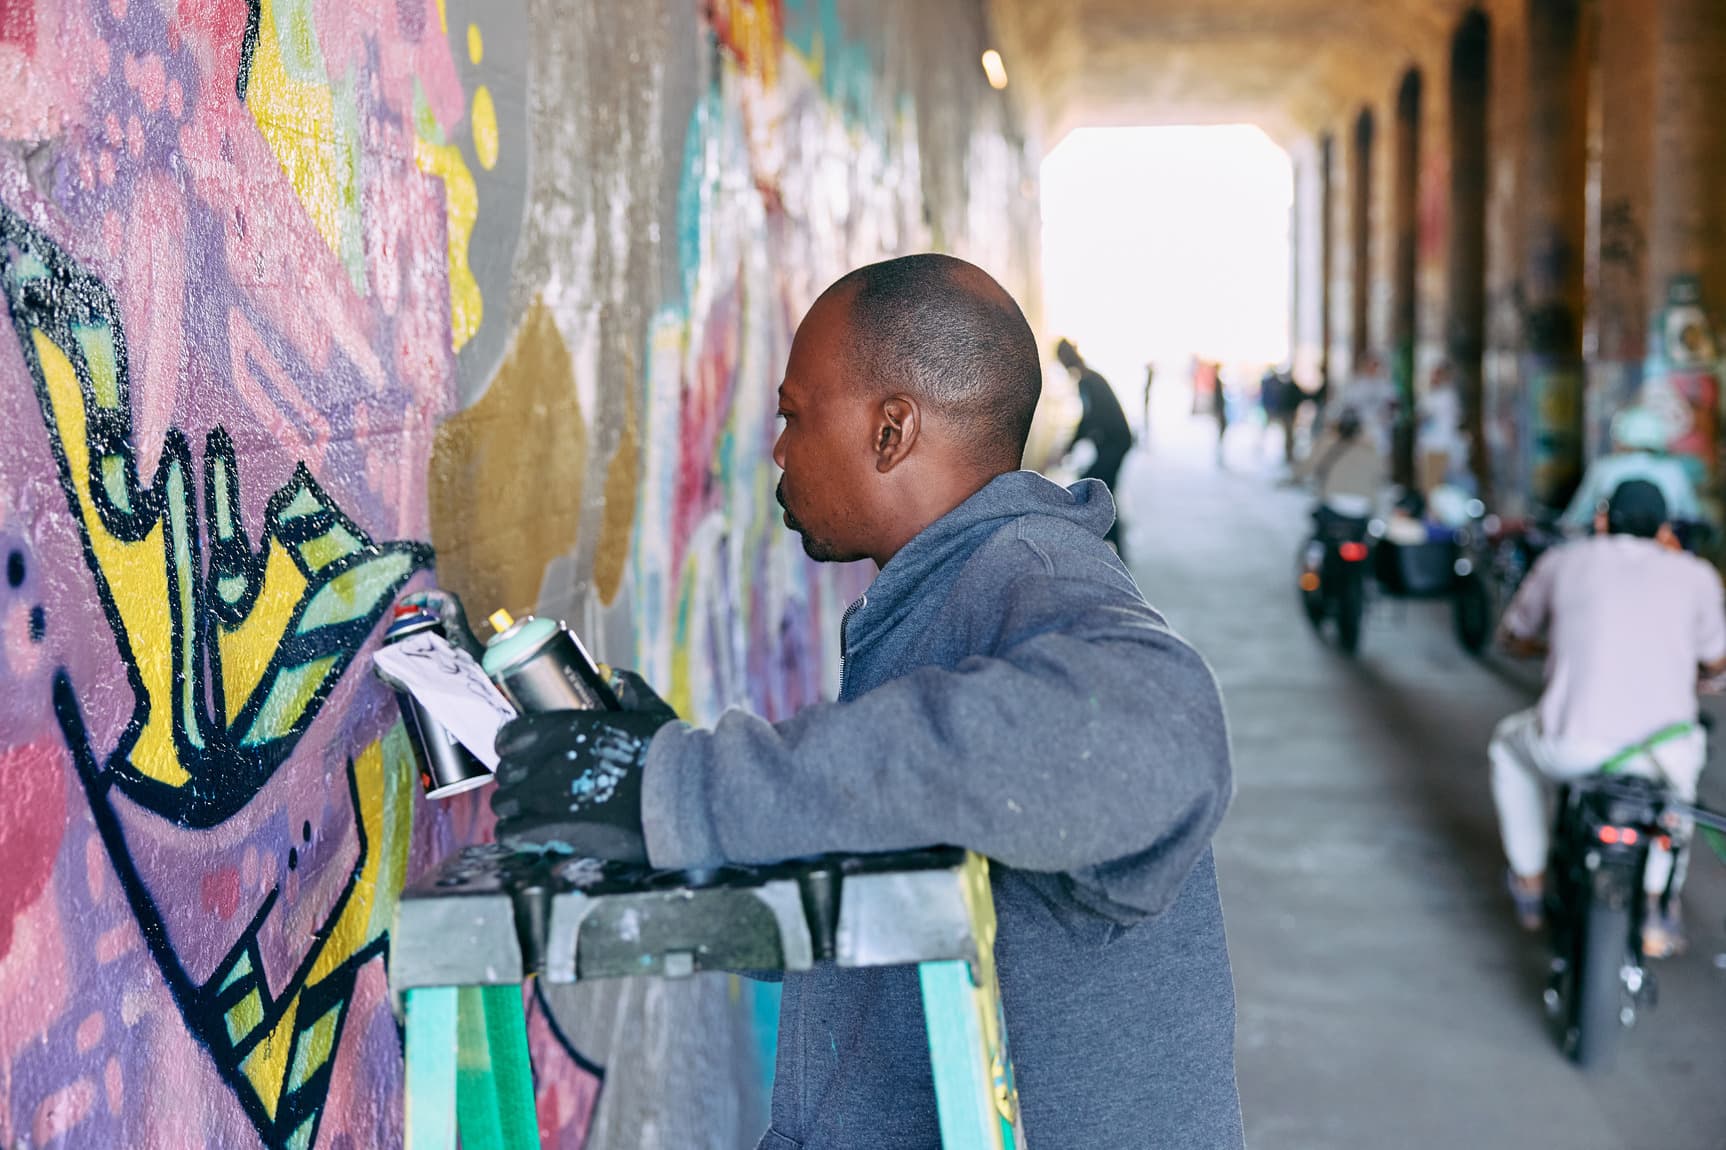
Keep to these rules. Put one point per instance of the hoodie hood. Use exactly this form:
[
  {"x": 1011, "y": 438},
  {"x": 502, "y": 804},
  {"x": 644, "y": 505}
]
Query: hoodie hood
[{"x": 953, "y": 537}]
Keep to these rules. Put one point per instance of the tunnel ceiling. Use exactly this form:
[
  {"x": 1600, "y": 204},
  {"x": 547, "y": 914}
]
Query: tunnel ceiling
[{"x": 1290, "y": 66}]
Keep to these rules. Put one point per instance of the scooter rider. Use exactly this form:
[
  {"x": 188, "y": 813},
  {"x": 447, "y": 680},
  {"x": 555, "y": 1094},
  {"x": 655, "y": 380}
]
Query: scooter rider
[
  {"x": 1347, "y": 467},
  {"x": 1639, "y": 442},
  {"x": 1627, "y": 621}
]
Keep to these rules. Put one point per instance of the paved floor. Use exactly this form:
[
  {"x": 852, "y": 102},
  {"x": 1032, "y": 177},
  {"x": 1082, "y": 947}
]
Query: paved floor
[{"x": 1387, "y": 999}]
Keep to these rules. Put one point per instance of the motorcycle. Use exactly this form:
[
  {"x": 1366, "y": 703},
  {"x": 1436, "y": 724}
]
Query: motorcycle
[
  {"x": 1331, "y": 575},
  {"x": 1494, "y": 555},
  {"x": 1598, "y": 981}
]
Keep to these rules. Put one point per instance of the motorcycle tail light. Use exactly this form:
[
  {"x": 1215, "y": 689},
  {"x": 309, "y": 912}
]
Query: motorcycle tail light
[
  {"x": 1628, "y": 836},
  {"x": 1609, "y": 835},
  {"x": 1352, "y": 552}
]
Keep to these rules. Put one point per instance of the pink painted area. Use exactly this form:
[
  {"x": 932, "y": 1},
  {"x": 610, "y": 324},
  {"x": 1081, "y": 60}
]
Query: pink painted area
[
  {"x": 114, "y": 1085},
  {"x": 33, "y": 778},
  {"x": 147, "y": 76},
  {"x": 565, "y": 1102},
  {"x": 367, "y": 1079},
  {"x": 90, "y": 1032},
  {"x": 35, "y": 980},
  {"x": 155, "y": 262},
  {"x": 18, "y": 23},
  {"x": 116, "y": 942},
  {"x": 63, "y": 1111},
  {"x": 219, "y": 891}
]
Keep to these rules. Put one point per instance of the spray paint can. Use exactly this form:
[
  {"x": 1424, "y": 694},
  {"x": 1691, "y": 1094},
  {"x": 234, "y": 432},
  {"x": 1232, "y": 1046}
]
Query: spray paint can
[
  {"x": 540, "y": 665},
  {"x": 446, "y": 767}
]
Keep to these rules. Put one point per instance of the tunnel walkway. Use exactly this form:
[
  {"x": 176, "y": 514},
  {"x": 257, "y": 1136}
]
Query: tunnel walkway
[{"x": 1387, "y": 998}]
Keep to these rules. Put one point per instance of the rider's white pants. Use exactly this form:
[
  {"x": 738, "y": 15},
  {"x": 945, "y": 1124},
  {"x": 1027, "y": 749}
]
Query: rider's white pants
[{"x": 1523, "y": 758}]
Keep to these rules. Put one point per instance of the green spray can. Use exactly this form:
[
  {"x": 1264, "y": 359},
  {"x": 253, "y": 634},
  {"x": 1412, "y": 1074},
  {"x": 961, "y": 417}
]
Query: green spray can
[{"x": 540, "y": 665}]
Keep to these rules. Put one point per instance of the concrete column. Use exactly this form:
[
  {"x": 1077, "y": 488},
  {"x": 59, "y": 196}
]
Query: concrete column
[
  {"x": 1404, "y": 208},
  {"x": 1297, "y": 257},
  {"x": 1326, "y": 244},
  {"x": 1624, "y": 154},
  {"x": 1360, "y": 241},
  {"x": 1687, "y": 228},
  {"x": 1465, "y": 279},
  {"x": 1555, "y": 225}
]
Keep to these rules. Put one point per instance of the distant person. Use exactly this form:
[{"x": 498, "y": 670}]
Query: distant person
[
  {"x": 1220, "y": 410},
  {"x": 1627, "y": 623},
  {"x": 1345, "y": 467},
  {"x": 1145, "y": 424},
  {"x": 1371, "y": 394},
  {"x": 1281, "y": 398},
  {"x": 1320, "y": 401},
  {"x": 1443, "y": 450},
  {"x": 1639, "y": 442},
  {"x": 1102, "y": 424}
]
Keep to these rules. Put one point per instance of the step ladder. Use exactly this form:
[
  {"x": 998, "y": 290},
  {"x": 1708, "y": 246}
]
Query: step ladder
[{"x": 467, "y": 937}]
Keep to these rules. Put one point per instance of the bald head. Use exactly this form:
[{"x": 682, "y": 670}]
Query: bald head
[{"x": 945, "y": 333}]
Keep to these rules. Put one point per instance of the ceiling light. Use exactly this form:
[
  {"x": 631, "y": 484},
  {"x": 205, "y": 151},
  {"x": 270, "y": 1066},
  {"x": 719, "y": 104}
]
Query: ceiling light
[{"x": 995, "y": 69}]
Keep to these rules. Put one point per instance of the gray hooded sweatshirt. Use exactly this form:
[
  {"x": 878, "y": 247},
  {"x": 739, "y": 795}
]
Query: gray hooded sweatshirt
[{"x": 1005, "y": 688}]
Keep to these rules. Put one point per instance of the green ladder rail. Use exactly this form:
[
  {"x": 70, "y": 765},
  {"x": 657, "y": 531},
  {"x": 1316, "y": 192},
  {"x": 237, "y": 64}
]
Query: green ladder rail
[
  {"x": 468, "y": 1070},
  {"x": 467, "y": 938}
]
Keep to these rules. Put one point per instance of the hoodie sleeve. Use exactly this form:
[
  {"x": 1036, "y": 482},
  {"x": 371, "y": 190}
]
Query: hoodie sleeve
[{"x": 1093, "y": 744}]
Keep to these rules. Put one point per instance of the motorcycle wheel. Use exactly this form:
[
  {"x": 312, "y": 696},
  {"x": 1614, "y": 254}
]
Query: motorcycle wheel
[
  {"x": 1350, "y": 607},
  {"x": 1596, "y": 1021},
  {"x": 1471, "y": 609}
]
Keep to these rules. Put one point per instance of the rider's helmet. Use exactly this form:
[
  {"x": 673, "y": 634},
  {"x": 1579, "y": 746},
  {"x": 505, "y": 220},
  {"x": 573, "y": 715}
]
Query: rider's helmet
[
  {"x": 1636, "y": 508},
  {"x": 1638, "y": 429}
]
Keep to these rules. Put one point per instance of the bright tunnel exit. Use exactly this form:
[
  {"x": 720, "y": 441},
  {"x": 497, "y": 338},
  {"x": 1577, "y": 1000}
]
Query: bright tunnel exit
[{"x": 1165, "y": 244}]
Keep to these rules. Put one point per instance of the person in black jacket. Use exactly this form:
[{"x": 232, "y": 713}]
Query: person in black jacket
[{"x": 1102, "y": 423}]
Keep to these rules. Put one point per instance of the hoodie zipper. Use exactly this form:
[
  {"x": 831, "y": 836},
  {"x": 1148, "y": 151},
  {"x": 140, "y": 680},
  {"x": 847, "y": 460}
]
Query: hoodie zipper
[{"x": 845, "y": 622}]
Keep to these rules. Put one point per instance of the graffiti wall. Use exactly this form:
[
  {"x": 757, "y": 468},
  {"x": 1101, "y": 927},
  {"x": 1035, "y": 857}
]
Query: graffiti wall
[{"x": 309, "y": 304}]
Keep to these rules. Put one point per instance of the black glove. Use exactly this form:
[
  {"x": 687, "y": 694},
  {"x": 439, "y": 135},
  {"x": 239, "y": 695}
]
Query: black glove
[
  {"x": 573, "y": 778},
  {"x": 634, "y": 695}
]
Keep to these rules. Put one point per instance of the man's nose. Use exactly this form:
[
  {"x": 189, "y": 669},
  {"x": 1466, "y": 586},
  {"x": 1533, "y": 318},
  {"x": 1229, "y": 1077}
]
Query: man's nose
[{"x": 779, "y": 450}]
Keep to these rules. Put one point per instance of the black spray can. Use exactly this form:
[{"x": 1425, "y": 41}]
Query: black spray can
[
  {"x": 446, "y": 767},
  {"x": 540, "y": 665}
]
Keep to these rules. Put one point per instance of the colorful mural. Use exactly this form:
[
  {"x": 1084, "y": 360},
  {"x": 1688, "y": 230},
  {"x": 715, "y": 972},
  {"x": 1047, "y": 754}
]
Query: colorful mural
[
  {"x": 296, "y": 293},
  {"x": 234, "y": 256},
  {"x": 791, "y": 104}
]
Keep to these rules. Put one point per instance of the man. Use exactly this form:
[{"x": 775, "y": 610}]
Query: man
[
  {"x": 1348, "y": 468},
  {"x": 1280, "y": 397},
  {"x": 1629, "y": 621},
  {"x": 1638, "y": 452},
  {"x": 1102, "y": 423},
  {"x": 1439, "y": 431},
  {"x": 1006, "y": 689},
  {"x": 1145, "y": 425},
  {"x": 1220, "y": 410}
]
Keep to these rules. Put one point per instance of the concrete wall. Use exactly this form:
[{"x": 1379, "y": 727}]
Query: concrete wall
[{"x": 307, "y": 300}]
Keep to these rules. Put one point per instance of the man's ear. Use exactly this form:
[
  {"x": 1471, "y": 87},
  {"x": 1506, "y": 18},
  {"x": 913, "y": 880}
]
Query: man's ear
[{"x": 898, "y": 422}]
